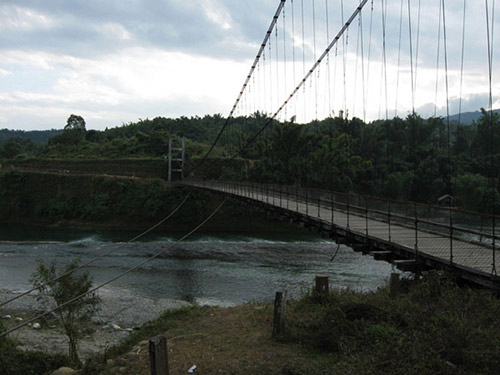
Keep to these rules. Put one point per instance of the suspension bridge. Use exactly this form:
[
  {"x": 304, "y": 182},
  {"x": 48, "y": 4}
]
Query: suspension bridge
[
  {"x": 308, "y": 68},
  {"x": 414, "y": 237},
  {"x": 371, "y": 80}
]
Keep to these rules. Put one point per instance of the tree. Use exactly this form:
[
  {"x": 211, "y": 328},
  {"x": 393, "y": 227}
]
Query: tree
[
  {"x": 75, "y": 315},
  {"x": 75, "y": 122},
  {"x": 15, "y": 146}
]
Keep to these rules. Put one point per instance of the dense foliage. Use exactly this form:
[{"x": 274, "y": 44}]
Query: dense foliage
[
  {"x": 433, "y": 327},
  {"x": 409, "y": 159}
]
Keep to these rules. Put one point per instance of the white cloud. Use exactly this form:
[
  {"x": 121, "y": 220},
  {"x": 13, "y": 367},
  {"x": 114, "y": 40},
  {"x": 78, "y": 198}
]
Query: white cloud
[
  {"x": 165, "y": 83},
  {"x": 116, "y": 61},
  {"x": 32, "y": 59},
  {"x": 216, "y": 13},
  {"x": 114, "y": 31},
  {"x": 23, "y": 19}
]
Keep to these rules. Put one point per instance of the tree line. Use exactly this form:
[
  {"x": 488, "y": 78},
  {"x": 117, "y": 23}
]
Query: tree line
[{"x": 402, "y": 158}]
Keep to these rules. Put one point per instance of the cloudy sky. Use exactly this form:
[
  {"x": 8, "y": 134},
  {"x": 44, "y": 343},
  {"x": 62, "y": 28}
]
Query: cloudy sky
[{"x": 117, "y": 61}]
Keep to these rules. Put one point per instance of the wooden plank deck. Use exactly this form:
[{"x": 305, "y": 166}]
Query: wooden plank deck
[{"x": 472, "y": 261}]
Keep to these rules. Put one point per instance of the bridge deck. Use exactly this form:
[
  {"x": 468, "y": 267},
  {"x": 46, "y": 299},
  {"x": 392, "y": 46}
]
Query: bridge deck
[{"x": 472, "y": 260}]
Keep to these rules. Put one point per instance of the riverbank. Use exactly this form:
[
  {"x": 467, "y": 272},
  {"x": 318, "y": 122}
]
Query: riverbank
[
  {"x": 430, "y": 327},
  {"x": 120, "y": 314},
  {"x": 118, "y": 203}
]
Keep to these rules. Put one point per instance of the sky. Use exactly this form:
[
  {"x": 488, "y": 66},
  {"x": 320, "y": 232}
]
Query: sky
[{"x": 117, "y": 61}]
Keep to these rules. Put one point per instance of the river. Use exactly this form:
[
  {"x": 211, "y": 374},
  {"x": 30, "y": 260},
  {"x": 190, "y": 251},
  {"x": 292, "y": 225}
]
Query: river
[{"x": 219, "y": 269}]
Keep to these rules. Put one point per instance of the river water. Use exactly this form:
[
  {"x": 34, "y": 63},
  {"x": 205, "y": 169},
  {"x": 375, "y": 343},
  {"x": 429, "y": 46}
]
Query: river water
[{"x": 222, "y": 270}]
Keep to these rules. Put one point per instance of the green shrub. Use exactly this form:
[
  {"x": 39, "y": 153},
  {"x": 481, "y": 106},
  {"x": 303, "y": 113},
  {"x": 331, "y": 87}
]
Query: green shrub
[{"x": 379, "y": 333}]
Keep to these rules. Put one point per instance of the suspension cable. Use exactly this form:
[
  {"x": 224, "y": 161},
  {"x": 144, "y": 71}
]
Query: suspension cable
[
  {"x": 384, "y": 54},
  {"x": 303, "y": 57},
  {"x": 399, "y": 58},
  {"x": 462, "y": 66},
  {"x": 257, "y": 58},
  {"x": 356, "y": 67},
  {"x": 344, "y": 57},
  {"x": 490, "y": 144},
  {"x": 284, "y": 57},
  {"x": 490, "y": 52},
  {"x": 307, "y": 76},
  {"x": 314, "y": 57},
  {"x": 362, "y": 67},
  {"x": 448, "y": 140},
  {"x": 277, "y": 66},
  {"x": 417, "y": 48},
  {"x": 270, "y": 75},
  {"x": 369, "y": 50},
  {"x": 437, "y": 59},
  {"x": 92, "y": 290},
  {"x": 328, "y": 63},
  {"x": 411, "y": 59},
  {"x": 293, "y": 49}
]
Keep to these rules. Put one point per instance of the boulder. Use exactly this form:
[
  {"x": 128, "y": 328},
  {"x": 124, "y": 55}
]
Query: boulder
[{"x": 65, "y": 371}]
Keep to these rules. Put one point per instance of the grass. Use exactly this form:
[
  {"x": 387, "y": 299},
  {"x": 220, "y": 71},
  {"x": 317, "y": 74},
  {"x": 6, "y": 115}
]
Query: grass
[
  {"x": 216, "y": 340},
  {"x": 432, "y": 327}
]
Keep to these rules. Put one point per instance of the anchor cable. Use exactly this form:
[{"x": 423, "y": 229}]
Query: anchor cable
[
  {"x": 94, "y": 289},
  {"x": 100, "y": 256}
]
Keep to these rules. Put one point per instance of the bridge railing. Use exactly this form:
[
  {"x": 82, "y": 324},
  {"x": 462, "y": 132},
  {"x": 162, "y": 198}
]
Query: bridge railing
[{"x": 377, "y": 216}]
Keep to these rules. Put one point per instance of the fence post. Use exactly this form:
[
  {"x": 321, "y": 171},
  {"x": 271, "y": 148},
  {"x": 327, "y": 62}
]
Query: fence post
[
  {"x": 287, "y": 197},
  {"x": 297, "y": 198},
  {"x": 366, "y": 215},
  {"x": 322, "y": 286},
  {"x": 348, "y": 210},
  {"x": 279, "y": 314},
  {"x": 416, "y": 230},
  {"x": 394, "y": 284},
  {"x": 451, "y": 231},
  {"x": 307, "y": 204},
  {"x": 319, "y": 204},
  {"x": 332, "y": 208},
  {"x": 281, "y": 201},
  {"x": 158, "y": 355},
  {"x": 389, "y": 219},
  {"x": 493, "y": 243}
]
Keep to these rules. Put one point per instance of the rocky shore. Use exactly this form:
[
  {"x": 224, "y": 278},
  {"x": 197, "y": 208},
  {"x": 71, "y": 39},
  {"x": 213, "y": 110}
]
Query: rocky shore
[{"x": 121, "y": 312}]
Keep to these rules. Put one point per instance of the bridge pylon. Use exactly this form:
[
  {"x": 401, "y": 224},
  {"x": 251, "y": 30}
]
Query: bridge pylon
[{"x": 176, "y": 156}]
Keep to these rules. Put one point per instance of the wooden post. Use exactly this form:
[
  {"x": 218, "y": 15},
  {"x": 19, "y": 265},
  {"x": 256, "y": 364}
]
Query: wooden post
[
  {"x": 322, "y": 284},
  {"x": 158, "y": 355},
  {"x": 279, "y": 314},
  {"x": 394, "y": 284}
]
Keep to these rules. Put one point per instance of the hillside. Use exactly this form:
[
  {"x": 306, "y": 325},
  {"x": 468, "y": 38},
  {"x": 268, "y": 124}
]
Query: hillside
[
  {"x": 467, "y": 118},
  {"x": 37, "y": 136}
]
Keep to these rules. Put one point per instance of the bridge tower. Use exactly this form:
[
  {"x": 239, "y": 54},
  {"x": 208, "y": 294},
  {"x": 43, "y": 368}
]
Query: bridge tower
[{"x": 176, "y": 155}]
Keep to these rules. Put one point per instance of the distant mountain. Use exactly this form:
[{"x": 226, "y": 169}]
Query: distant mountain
[
  {"x": 37, "y": 136},
  {"x": 467, "y": 117}
]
